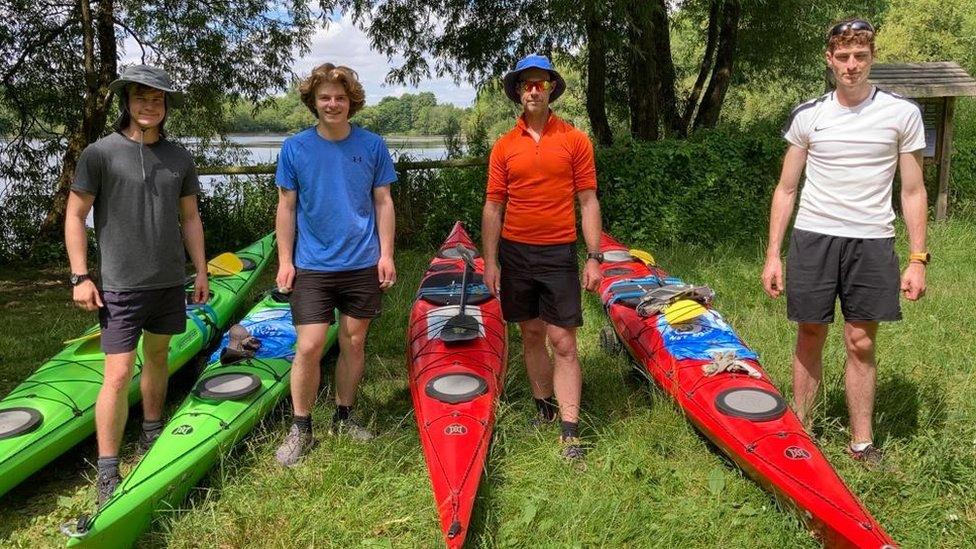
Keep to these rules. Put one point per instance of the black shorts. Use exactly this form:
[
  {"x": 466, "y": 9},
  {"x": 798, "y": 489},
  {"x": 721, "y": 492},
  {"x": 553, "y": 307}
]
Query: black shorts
[
  {"x": 318, "y": 294},
  {"x": 126, "y": 314},
  {"x": 540, "y": 282},
  {"x": 863, "y": 272}
]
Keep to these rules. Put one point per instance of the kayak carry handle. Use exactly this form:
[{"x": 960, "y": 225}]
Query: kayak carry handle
[
  {"x": 454, "y": 530},
  {"x": 77, "y": 529}
]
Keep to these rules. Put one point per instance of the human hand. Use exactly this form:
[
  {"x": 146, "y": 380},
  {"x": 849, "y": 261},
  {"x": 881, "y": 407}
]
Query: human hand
[
  {"x": 913, "y": 281},
  {"x": 86, "y": 296},
  {"x": 387, "y": 273},
  {"x": 772, "y": 277}
]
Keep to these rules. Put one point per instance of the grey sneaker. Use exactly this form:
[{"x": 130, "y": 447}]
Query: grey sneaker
[
  {"x": 871, "y": 456},
  {"x": 106, "y": 485},
  {"x": 296, "y": 444},
  {"x": 352, "y": 428},
  {"x": 572, "y": 449},
  {"x": 146, "y": 440}
]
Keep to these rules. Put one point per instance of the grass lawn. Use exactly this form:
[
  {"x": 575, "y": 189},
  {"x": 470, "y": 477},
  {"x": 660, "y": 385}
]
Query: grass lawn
[{"x": 650, "y": 480}]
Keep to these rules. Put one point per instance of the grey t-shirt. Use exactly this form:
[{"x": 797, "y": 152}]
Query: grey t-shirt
[{"x": 137, "y": 221}]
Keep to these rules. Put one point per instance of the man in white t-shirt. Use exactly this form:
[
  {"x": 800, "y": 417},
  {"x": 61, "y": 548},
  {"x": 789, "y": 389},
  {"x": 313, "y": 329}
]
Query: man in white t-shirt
[{"x": 850, "y": 142}]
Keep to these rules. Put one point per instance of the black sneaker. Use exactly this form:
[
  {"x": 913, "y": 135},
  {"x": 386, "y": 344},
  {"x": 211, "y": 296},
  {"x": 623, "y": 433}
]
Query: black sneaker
[
  {"x": 572, "y": 449},
  {"x": 539, "y": 422},
  {"x": 871, "y": 456},
  {"x": 352, "y": 428},
  {"x": 106, "y": 484}
]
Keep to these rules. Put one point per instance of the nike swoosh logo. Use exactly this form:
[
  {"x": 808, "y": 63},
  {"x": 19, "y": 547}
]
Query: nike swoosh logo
[{"x": 819, "y": 129}]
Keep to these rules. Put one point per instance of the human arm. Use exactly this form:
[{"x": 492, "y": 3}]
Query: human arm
[
  {"x": 386, "y": 226},
  {"x": 193, "y": 240},
  {"x": 285, "y": 235},
  {"x": 592, "y": 227},
  {"x": 491, "y": 230},
  {"x": 914, "y": 206},
  {"x": 784, "y": 198},
  {"x": 85, "y": 294}
]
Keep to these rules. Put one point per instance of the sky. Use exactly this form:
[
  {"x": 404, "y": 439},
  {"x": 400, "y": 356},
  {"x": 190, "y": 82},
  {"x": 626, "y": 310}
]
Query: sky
[{"x": 343, "y": 43}]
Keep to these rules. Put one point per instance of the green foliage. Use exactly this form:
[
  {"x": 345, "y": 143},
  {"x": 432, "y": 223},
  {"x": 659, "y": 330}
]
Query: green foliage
[
  {"x": 929, "y": 30},
  {"x": 239, "y": 209},
  {"x": 713, "y": 187}
]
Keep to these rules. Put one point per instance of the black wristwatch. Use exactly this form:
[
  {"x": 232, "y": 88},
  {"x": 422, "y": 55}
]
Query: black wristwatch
[
  {"x": 77, "y": 279},
  {"x": 598, "y": 256}
]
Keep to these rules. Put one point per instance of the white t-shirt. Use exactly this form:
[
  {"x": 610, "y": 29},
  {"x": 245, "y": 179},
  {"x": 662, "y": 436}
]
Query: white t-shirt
[{"x": 852, "y": 153}]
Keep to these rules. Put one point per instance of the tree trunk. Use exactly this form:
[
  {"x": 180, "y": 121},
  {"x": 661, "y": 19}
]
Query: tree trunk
[
  {"x": 665, "y": 69},
  {"x": 711, "y": 105},
  {"x": 596, "y": 76},
  {"x": 100, "y": 70},
  {"x": 706, "y": 66},
  {"x": 643, "y": 79}
]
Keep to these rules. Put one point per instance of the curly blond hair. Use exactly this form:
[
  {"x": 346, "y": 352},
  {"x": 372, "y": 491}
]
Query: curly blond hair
[
  {"x": 329, "y": 73},
  {"x": 850, "y": 38}
]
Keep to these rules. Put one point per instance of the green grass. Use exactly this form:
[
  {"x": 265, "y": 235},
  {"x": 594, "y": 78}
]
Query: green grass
[{"x": 650, "y": 480}]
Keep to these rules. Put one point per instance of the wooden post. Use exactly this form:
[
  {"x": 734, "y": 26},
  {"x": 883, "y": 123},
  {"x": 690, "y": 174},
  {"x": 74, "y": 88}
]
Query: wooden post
[{"x": 945, "y": 157}]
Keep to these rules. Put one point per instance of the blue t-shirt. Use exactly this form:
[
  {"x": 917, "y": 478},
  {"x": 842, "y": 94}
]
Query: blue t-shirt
[{"x": 336, "y": 218}]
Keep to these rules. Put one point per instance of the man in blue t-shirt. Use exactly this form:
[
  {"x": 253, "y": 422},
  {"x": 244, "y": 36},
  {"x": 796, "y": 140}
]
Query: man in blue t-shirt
[{"x": 335, "y": 226}]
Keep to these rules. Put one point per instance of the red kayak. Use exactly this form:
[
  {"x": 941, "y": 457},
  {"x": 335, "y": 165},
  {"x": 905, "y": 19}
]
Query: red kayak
[
  {"x": 458, "y": 348},
  {"x": 686, "y": 347}
]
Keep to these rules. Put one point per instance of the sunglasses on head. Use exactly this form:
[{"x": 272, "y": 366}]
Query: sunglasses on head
[
  {"x": 855, "y": 25},
  {"x": 535, "y": 85}
]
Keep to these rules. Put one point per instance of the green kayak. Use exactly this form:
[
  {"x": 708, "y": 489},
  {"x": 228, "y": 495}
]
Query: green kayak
[
  {"x": 230, "y": 397},
  {"x": 54, "y": 408}
]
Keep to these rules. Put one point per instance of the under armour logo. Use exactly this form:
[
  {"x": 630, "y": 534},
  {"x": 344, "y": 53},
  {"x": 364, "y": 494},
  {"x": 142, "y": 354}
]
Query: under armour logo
[{"x": 357, "y": 159}]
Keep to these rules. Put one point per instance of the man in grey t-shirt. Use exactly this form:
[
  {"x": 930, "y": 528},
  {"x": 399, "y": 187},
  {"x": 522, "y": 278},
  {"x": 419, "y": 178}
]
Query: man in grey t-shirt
[{"x": 141, "y": 186}]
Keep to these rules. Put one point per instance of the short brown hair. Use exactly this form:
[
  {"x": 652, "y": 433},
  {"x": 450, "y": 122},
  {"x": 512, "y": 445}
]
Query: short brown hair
[
  {"x": 850, "y": 37},
  {"x": 329, "y": 73}
]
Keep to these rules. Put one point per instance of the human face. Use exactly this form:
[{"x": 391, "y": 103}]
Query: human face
[
  {"x": 147, "y": 107},
  {"x": 332, "y": 103},
  {"x": 850, "y": 65},
  {"x": 535, "y": 99}
]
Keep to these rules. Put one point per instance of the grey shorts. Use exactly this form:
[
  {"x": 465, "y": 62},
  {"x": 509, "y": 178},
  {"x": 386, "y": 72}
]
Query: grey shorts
[
  {"x": 318, "y": 294},
  {"x": 540, "y": 282},
  {"x": 862, "y": 272},
  {"x": 126, "y": 314}
]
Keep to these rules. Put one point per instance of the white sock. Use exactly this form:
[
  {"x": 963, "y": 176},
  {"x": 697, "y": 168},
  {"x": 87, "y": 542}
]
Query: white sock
[{"x": 860, "y": 446}]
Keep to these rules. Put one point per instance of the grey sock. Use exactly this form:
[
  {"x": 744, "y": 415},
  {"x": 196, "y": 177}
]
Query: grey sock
[
  {"x": 108, "y": 466},
  {"x": 152, "y": 427}
]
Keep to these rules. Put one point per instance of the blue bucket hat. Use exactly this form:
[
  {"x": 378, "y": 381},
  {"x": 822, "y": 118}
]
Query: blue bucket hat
[{"x": 532, "y": 61}]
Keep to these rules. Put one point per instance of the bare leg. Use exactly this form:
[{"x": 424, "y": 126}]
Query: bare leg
[
  {"x": 538, "y": 366},
  {"x": 155, "y": 375},
  {"x": 112, "y": 405},
  {"x": 568, "y": 379},
  {"x": 306, "y": 373},
  {"x": 860, "y": 376},
  {"x": 352, "y": 358},
  {"x": 807, "y": 368}
]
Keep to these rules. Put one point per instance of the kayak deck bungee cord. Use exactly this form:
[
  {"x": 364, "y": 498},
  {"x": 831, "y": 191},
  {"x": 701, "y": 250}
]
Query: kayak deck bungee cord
[
  {"x": 54, "y": 408},
  {"x": 458, "y": 349},
  {"x": 684, "y": 346},
  {"x": 234, "y": 392}
]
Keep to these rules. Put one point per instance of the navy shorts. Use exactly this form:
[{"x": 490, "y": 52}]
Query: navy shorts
[
  {"x": 862, "y": 272},
  {"x": 540, "y": 281},
  {"x": 318, "y": 294},
  {"x": 126, "y": 314}
]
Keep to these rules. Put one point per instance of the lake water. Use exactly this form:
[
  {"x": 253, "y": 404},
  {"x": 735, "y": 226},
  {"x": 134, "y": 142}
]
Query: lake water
[{"x": 263, "y": 149}]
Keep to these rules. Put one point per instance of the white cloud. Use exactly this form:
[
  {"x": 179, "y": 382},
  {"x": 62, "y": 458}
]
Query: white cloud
[{"x": 343, "y": 43}]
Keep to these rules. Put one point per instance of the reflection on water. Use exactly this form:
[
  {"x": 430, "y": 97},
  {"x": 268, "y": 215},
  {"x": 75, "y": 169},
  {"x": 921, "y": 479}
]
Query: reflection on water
[{"x": 263, "y": 149}]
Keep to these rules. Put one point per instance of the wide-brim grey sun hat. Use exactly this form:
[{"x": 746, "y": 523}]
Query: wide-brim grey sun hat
[
  {"x": 148, "y": 76},
  {"x": 533, "y": 61}
]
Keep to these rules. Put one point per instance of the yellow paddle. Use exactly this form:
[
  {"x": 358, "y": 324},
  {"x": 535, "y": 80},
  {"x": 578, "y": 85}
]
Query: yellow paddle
[
  {"x": 225, "y": 264},
  {"x": 683, "y": 310},
  {"x": 85, "y": 336},
  {"x": 644, "y": 257}
]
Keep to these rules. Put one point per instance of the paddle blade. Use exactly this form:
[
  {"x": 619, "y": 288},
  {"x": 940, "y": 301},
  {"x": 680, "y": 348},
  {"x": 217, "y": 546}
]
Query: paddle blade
[
  {"x": 84, "y": 337},
  {"x": 683, "y": 310},
  {"x": 225, "y": 264},
  {"x": 460, "y": 328},
  {"x": 642, "y": 256}
]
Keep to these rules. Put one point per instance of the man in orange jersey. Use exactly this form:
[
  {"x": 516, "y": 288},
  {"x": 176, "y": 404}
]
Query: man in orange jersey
[{"x": 529, "y": 240}]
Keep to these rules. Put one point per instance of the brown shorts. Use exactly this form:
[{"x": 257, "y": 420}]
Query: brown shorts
[
  {"x": 318, "y": 294},
  {"x": 126, "y": 314},
  {"x": 540, "y": 282}
]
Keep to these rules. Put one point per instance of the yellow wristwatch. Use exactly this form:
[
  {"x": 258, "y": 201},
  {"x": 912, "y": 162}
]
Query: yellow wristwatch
[{"x": 921, "y": 257}]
